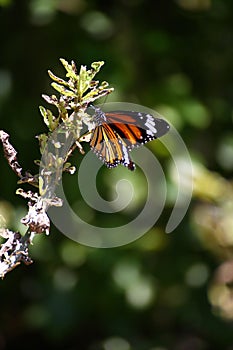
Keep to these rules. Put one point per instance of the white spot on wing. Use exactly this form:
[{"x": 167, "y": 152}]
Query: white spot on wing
[
  {"x": 150, "y": 123},
  {"x": 125, "y": 155}
]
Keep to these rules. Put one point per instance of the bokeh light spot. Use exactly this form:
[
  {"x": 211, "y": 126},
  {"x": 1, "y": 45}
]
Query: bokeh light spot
[
  {"x": 97, "y": 24},
  {"x": 116, "y": 343},
  {"x": 140, "y": 294},
  {"x": 64, "y": 279},
  {"x": 73, "y": 254},
  {"x": 197, "y": 275}
]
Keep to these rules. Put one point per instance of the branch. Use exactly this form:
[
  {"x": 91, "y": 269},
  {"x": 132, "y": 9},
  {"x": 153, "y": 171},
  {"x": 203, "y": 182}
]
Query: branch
[
  {"x": 14, "y": 250},
  {"x": 10, "y": 154},
  {"x": 75, "y": 95}
]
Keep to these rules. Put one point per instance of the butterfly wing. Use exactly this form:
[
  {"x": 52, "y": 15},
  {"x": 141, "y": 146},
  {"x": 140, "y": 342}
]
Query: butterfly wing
[
  {"x": 118, "y": 132},
  {"x": 138, "y": 128},
  {"x": 110, "y": 147}
]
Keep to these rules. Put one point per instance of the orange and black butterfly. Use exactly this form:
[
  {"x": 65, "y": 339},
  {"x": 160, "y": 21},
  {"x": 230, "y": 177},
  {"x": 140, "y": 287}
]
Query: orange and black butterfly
[{"x": 116, "y": 133}]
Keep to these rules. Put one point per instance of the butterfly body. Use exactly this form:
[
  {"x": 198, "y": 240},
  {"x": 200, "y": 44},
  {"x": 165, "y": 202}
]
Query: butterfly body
[{"x": 117, "y": 132}]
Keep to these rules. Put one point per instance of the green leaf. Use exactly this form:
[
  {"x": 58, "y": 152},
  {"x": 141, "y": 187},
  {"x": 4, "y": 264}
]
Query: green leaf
[
  {"x": 63, "y": 91},
  {"x": 49, "y": 118},
  {"x": 50, "y": 99},
  {"x": 97, "y": 66},
  {"x": 71, "y": 70},
  {"x": 42, "y": 138},
  {"x": 95, "y": 94},
  {"x": 57, "y": 79}
]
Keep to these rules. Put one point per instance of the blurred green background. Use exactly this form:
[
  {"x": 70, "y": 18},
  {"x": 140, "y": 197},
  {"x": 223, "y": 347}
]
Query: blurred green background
[{"x": 163, "y": 291}]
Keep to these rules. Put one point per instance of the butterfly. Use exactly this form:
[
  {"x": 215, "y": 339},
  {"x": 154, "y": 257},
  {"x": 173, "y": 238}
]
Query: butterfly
[{"x": 116, "y": 133}]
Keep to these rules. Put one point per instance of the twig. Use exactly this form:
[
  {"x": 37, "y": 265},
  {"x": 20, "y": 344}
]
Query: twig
[
  {"x": 75, "y": 95},
  {"x": 10, "y": 154},
  {"x": 14, "y": 250}
]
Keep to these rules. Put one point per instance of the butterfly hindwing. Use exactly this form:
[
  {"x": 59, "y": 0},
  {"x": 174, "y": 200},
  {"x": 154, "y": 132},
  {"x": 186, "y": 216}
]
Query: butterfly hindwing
[{"x": 110, "y": 147}]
